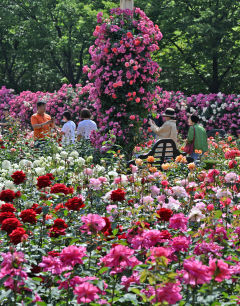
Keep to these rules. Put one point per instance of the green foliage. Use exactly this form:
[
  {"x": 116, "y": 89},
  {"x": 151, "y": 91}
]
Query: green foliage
[
  {"x": 200, "y": 46},
  {"x": 44, "y": 43}
]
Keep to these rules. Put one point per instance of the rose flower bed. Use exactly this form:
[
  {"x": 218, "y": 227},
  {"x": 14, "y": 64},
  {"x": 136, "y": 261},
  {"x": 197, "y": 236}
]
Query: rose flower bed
[{"x": 76, "y": 232}]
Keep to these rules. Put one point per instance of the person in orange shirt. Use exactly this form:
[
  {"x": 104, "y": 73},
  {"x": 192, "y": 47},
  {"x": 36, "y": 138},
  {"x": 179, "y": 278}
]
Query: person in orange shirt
[{"x": 42, "y": 124}]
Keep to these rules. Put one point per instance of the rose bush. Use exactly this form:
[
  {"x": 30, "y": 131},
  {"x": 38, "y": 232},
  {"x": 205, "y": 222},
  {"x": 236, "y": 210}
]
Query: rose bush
[{"x": 146, "y": 236}]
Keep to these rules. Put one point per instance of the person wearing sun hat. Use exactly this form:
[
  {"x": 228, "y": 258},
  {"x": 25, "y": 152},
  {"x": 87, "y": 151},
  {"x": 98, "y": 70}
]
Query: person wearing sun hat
[
  {"x": 168, "y": 129},
  {"x": 5, "y": 123}
]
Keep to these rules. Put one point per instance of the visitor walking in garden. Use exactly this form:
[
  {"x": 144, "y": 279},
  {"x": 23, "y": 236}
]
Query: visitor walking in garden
[
  {"x": 168, "y": 129},
  {"x": 42, "y": 124},
  {"x": 86, "y": 126},
  {"x": 198, "y": 137},
  {"x": 5, "y": 121},
  {"x": 68, "y": 129}
]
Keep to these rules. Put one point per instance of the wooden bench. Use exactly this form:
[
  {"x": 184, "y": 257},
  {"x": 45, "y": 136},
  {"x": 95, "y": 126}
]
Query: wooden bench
[{"x": 163, "y": 150}]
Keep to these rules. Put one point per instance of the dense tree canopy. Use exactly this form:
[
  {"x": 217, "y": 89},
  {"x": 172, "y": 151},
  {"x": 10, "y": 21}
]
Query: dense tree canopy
[
  {"x": 201, "y": 44},
  {"x": 44, "y": 43}
]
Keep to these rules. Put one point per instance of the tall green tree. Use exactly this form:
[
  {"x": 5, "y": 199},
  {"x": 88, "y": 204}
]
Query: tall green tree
[
  {"x": 45, "y": 42},
  {"x": 201, "y": 44}
]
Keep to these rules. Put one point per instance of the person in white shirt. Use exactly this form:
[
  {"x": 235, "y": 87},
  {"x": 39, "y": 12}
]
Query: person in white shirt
[
  {"x": 68, "y": 129},
  {"x": 168, "y": 129},
  {"x": 86, "y": 126}
]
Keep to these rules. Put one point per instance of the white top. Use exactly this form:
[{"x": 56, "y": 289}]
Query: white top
[
  {"x": 85, "y": 128},
  {"x": 69, "y": 132},
  {"x": 167, "y": 130}
]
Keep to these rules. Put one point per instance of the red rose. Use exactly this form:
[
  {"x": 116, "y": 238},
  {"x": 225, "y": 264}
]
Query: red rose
[
  {"x": 107, "y": 228},
  {"x": 137, "y": 42},
  {"x": 10, "y": 224},
  {"x": 164, "y": 214},
  {"x": 7, "y": 207},
  {"x": 122, "y": 236},
  {"x": 18, "y": 177},
  {"x": 50, "y": 175},
  {"x": 60, "y": 224},
  {"x": 118, "y": 195},
  {"x": 129, "y": 35},
  {"x": 29, "y": 216},
  {"x": 74, "y": 204},
  {"x": 37, "y": 208},
  {"x": 7, "y": 195},
  {"x": 70, "y": 190},
  {"x": 18, "y": 194},
  {"x": 5, "y": 215},
  {"x": 53, "y": 253},
  {"x": 59, "y": 188},
  {"x": 58, "y": 207},
  {"x": 232, "y": 164},
  {"x": 143, "y": 224},
  {"x": 165, "y": 235},
  {"x": 18, "y": 235},
  {"x": 56, "y": 232},
  {"x": 43, "y": 181}
]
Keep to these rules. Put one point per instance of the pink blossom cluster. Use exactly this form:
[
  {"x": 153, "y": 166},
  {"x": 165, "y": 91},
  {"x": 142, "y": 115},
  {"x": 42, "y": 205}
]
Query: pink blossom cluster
[
  {"x": 12, "y": 270},
  {"x": 216, "y": 111},
  {"x": 6, "y": 95},
  {"x": 23, "y": 105},
  {"x": 123, "y": 71},
  {"x": 66, "y": 260}
]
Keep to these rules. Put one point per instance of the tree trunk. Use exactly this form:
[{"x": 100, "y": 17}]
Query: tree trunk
[{"x": 215, "y": 84}]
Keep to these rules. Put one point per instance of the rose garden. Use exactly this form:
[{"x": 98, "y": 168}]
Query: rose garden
[{"x": 80, "y": 227}]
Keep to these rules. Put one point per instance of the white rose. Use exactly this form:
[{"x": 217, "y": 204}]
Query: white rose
[
  {"x": 64, "y": 154},
  {"x": 113, "y": 173},
  {"x": 9, "y": 185},
  {"x": 71, "y": 160},
  {"x": 60, "y": 170},
  {"x": 6, "y": 164},
  {"x": 36, "y": 163},
  {"x": 74, "y": 154},
  {"x": 81, "y": 161},
  {"x": 195, "y": 215},
  {"x": 40, "y": 171},
  {"x": 24, "y": 163}
]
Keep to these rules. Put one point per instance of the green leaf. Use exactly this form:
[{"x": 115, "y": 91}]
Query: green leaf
[
  {"x": 236, "y": 212},
  {"x": 102, "y": 270},
  {"x": 217, "y": 214},
  {"x": 37, "y": 279},
  {"x": 115, "y": 231}
]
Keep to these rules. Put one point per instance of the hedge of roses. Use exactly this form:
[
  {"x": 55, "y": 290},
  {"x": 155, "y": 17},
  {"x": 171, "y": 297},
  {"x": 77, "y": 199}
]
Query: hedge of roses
[
  {"x": 23, "y": 106},
  {"x": 76, "y": 232},
  {"x": 121, "y": 91},
  {"x": 217, "y": 111}
]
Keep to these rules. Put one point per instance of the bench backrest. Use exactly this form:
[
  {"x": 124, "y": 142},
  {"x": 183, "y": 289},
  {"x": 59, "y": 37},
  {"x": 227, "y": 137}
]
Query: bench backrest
[{"x": 163, "y": 150}]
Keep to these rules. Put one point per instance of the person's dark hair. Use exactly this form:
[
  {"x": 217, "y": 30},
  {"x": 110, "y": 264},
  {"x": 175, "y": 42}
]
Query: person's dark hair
[
  {"x": 40, "y": 103},
  {"x": 67, "y": 115},
  {"x": 195, "y": 118},
  {"x": 85, "y": 113}
]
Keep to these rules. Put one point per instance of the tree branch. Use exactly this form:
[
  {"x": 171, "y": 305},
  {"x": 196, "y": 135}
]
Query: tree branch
[
  {"x": 228, "y": 68},
  {"x": 189, "y": 62}
]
